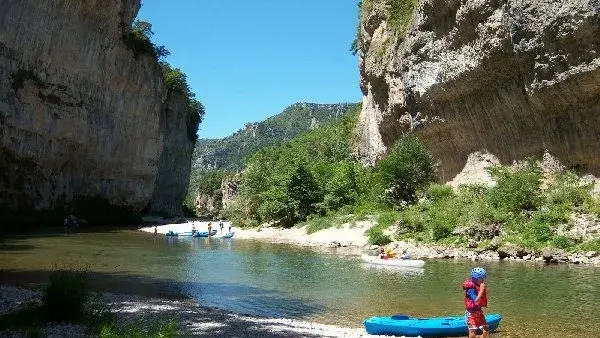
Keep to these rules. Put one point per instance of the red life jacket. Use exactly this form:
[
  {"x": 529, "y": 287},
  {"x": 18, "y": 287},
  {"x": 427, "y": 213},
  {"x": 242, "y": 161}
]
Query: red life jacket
[{"x": 470, "y": 304}]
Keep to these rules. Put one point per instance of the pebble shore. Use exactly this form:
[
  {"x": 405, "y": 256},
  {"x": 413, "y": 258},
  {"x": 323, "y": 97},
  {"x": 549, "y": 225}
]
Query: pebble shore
[{"x": 194, "y": 320}]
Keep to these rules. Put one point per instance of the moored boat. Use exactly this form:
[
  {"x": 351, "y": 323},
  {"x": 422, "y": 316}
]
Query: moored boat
[{"x": 413, "y": 263}]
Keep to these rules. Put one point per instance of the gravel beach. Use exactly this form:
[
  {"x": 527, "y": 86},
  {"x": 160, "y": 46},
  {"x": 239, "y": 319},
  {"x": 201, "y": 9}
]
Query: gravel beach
[{"x": 194, "y": 320}]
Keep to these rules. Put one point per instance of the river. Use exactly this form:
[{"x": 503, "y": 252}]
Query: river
[{"x": 281, "y": 280}]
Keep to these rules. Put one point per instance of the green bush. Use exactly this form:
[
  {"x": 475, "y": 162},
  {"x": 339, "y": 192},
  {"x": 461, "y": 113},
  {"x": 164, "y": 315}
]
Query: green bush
[
  {"x": 568, "y": 189},
  {"x": 562, "y": 242},
  {"x": 377, "y": 237},
  {"x": 442, "y": 217},
  {"x": 593, "y": 245},
  {"x": 411, "y": 220},
  {"x": 65, "y": 296},
  {"x": 401, "y": 12},
  {"x": 516, "y": 190},
  {"x": 407, "y": 169},
  {"x": 166, "y": 329},
  {"x": 439, "y": 192}
]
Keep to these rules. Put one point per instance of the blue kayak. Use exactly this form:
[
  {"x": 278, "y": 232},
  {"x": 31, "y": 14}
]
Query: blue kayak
[
  {"x": 425, "y": 327},
  {"x": 204, "y": 233},
  {"x": 171, "y": 233},
  {"x": 228, "y": 235}
]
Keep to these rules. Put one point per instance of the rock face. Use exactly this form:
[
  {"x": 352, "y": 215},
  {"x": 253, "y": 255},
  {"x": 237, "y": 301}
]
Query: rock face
[
  {"x": 230, "y": 189},
  {"x": 512, "y": 78},
  {"x": 175, "y": 161},
  {"x": 82, "y": 117}
]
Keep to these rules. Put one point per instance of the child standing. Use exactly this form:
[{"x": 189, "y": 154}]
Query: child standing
[{"x": 475, "y": 293}]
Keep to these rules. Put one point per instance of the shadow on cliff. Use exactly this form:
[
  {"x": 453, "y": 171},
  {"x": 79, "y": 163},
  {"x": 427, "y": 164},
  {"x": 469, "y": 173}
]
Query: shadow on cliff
[{"x": 197, "y": 321}]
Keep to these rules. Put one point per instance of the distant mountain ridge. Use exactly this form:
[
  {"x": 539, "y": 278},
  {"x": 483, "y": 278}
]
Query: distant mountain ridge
[{"x": 228, "y": 153}]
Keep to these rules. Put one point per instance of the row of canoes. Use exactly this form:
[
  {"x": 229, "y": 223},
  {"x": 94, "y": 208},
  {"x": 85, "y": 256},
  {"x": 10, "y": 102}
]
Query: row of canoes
[{"x": 213, "y": 233}]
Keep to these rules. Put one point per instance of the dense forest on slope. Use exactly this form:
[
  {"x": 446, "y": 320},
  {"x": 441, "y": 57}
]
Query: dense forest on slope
[{"x": 229, "y": 153}]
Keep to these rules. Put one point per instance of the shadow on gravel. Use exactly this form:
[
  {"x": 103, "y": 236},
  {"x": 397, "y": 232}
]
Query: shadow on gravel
[{"x": 196, "y": 321}]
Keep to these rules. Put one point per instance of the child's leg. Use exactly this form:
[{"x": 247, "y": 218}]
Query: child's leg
[
  {"x": 486, "y": 332},
  {"x": 472, "y": 333}
]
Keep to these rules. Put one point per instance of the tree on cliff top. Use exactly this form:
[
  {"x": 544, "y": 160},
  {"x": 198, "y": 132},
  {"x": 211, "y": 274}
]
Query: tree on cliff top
[
  {"x": 138, "y": 39},
  {"x": 176, "y": 82}
]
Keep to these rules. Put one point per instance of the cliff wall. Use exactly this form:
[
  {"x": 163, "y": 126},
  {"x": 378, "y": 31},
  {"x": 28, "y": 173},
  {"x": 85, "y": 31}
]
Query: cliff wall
[
  {"x": 514, "y": 78},
  {"x": 175, "y": 161},
  {"x": 80, "y": 112}
]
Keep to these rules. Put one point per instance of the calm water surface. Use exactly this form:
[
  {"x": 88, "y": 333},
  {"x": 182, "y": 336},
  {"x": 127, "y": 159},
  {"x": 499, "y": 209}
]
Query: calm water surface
[{"x": 280, "y": 280}]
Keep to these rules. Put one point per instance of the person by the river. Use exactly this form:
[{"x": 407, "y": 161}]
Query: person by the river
[
  {"x": 193, "y": 228},
  {"x": 475, "y": 294},
  {"x": 209, "y": 228},
  {"x": 405, "y": 255},
  {"x": 386, "y": 253},
  {"x": 229, "y": 226},
  {"x": 155, "y": 230},
  {"x": 221, "y": 225}
]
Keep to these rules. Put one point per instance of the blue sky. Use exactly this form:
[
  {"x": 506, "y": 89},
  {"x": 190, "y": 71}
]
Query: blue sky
[{"x": 247, "y": 60}]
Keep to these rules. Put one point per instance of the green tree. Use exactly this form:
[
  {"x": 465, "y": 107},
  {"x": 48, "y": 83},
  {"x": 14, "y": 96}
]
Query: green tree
[
  {"x": 303, "y": 188},
  {"x": 342, "y": 188},
  {"x": 176, "y": 82},
  {"x": 407, "y": 169},
  {"x": 138, "y": 39},
  {"x": 278, "y": 206}
]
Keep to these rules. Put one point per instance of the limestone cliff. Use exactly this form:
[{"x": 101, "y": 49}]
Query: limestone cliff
[
  {"x": 82, "y": 115},
  {"x": 513, "y": 78},
  {"x": 175, "y": 160}
]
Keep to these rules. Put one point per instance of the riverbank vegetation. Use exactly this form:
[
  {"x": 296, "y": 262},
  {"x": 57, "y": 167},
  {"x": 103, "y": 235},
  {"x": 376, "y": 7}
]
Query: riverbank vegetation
[
  {"x": 313, "y": 180},
  {"x": 67, "y": 298}
]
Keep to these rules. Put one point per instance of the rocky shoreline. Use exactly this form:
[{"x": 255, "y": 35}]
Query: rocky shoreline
[
  {"x": 509, "y": 252},
  {"x": 194, "y": 320}
]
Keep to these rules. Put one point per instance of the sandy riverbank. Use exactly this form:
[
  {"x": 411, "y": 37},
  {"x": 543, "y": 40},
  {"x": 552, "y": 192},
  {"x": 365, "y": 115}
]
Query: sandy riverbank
[
  {"x": 194, "y": 320},
  {"x": 348, "y": 235},
  {"x": 352, "y": 235}
]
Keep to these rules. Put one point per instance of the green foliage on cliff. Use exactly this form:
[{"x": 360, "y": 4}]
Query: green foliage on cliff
[
  {"x": 400, "y": 13},
  {"x": 138, "y": 39},
  {"x": 176, "y": 82},
  {"x": 229, "y": 153}
]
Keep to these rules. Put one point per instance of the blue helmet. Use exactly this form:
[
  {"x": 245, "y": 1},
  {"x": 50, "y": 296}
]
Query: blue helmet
[{"x": 478, "y": 273}]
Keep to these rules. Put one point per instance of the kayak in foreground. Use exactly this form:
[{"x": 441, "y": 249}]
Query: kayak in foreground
[
  {"x": 414, "y": 263},
  {"x": 424, "y": 327}
]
